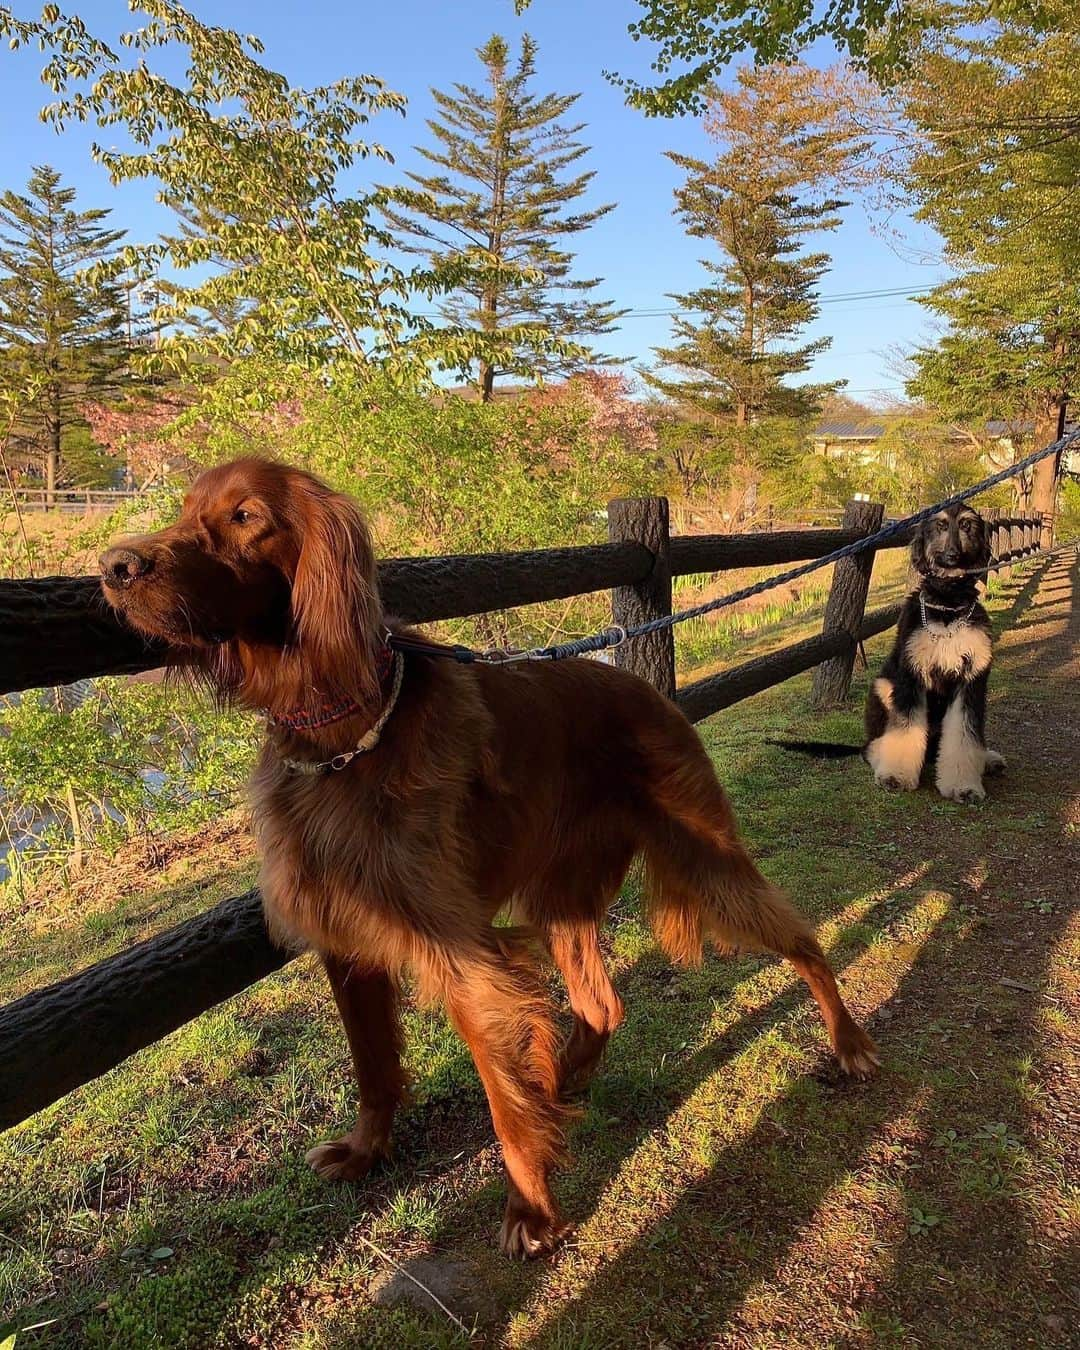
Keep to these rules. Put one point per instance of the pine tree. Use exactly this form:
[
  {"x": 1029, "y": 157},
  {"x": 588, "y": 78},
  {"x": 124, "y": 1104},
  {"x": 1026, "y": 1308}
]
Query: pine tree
[
  {"x": 758, "y": 201},
  {"x": 61, "y": 332},
  {"x": 501, "y": 199}
]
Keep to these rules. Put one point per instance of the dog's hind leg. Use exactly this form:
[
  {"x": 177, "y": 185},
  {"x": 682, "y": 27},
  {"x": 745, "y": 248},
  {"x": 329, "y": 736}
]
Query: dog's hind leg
[
  {"x": 597, "y": 1008},
  {"x": 898, "y": 754},
  {"x": 368, "y": 1003},
  {"x": 995, "y": 764}
]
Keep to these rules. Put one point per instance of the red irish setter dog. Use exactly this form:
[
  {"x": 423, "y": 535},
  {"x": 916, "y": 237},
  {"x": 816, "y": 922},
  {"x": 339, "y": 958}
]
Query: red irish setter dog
[{"x": 474, "y": 789}]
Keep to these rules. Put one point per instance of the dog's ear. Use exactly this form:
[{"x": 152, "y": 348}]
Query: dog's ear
[
  {"x": 336, "y": 612},
  {"x": 918, "y": 550},
  {"x": 983, "y": 545}
]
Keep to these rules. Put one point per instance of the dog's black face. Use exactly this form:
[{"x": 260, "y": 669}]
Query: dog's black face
[{"x": 952, "y": 545}]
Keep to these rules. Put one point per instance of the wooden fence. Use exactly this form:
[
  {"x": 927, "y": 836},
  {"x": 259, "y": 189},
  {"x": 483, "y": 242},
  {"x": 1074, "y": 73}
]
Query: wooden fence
[
  {"x": 71, "y": 499},
  {"x": 58, "y": 630}
]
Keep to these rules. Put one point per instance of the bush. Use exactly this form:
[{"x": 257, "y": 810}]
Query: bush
[{"x": 123, "y": 759}]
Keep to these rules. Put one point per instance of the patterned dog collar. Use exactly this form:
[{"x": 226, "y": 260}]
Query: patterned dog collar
[{"x": 330, "y": 710}]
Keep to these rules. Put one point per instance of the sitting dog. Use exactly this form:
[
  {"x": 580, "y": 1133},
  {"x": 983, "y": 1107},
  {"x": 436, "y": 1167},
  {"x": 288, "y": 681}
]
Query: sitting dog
[
  {"x": 928, "y": 705},
  {"x": 929, "y": 702}
]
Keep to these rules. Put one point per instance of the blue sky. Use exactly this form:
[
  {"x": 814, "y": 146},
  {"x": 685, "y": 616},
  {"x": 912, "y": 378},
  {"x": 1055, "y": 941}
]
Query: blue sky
[{"x": 639, "y": 248}]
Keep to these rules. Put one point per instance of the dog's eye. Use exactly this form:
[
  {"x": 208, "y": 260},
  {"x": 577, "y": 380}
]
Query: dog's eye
[{"x": 240, "y": 516}]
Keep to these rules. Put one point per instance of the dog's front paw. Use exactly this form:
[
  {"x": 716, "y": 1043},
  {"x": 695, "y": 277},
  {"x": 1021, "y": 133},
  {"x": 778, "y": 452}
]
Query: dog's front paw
[
  {"x": 528, "y": 1234},
  {"x": 891, "y": 783},
  {"x": 969, "y": 795},
  {"x": 856, "y": 1051},
  {"x": 995, "y": 763},
  {"x": 342, "y": 1160}
]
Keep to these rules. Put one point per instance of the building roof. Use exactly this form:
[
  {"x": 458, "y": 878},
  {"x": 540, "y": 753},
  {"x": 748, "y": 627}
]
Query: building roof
[
  {"x": 849, "y": 431},
  {"x": 872, "y": 431}
]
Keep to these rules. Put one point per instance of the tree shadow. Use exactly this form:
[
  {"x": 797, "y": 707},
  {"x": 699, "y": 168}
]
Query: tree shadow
[{"x": 761, "y": 1195}]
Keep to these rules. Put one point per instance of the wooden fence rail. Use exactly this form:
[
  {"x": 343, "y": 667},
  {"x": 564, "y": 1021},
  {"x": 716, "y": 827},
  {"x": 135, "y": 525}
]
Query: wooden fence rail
[
  {"x": 59, "y": 630},
  {"x": 71, "y": 499}
]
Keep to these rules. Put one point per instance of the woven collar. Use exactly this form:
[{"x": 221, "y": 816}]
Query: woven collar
[
  {"x": 368, "y": 741},
  {"x": 330, "y": 711}
]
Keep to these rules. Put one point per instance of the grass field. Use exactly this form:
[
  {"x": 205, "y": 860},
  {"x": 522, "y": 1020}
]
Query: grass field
[{"x": 730, "y": 1188}]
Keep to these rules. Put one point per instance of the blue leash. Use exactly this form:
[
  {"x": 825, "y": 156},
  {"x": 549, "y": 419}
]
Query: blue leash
[{"x": 615, "y": 636}]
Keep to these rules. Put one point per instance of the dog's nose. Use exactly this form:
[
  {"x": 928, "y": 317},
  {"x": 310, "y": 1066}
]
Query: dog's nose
[
  {"x": 121, "y": 566},
  {"x": 950, "y": 559}
]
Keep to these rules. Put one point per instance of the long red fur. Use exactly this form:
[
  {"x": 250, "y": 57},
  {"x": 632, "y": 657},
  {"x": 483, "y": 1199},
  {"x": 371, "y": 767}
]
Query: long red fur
[{"x": 530, "y": 788}]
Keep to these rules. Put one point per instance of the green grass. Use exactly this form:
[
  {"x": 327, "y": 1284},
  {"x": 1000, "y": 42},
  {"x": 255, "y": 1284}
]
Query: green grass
[{"x": 729, "y": 1188}]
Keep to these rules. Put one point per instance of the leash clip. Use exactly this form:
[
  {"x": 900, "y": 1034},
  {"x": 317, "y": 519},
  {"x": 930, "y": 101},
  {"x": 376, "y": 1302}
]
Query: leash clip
[{"x": 504, "y": 656}]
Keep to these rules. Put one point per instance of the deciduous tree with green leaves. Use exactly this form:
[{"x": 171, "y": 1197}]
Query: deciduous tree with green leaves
[
  {"x": 61, "y": 329},
  {"x": 699, "y": 39},
  {"x": 994, "y": 168},
  {"x": 502, "y": 198},
  {"x": 276, "y": 254}
]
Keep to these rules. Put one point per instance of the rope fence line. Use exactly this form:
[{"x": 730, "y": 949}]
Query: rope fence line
[
  {"x": 993, "y": 566},
  {"x": 609, "y": 638}
]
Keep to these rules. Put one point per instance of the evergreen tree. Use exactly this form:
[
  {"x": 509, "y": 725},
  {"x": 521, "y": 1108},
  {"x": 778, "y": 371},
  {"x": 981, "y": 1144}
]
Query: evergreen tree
[
  {"x": 758, "y": 201},
  {"x": 61, "y": 331},
  {"x": 501, "y": 200}
]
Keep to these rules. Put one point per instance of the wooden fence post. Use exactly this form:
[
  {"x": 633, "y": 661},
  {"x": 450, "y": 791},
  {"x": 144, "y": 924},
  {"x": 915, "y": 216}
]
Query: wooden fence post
[
  {"x": 645, "y": 520},
  {"x": 1004, "y": 545},
  {"x": 846, "y": 605},
  {"x": 990, "y": 515}
]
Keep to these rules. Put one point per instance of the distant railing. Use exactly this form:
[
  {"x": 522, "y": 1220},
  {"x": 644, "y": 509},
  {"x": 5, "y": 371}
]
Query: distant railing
[
  {"x": 59, "y": 630},
  {"x": 68, "y": 499}
]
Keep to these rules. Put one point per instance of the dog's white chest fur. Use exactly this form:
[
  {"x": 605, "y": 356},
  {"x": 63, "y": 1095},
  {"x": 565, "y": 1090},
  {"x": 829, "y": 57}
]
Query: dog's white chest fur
[{"x": 948, "y": 649}]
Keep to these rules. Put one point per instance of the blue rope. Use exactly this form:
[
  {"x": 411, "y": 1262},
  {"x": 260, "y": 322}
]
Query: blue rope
[{"x": 615, "y": 637}]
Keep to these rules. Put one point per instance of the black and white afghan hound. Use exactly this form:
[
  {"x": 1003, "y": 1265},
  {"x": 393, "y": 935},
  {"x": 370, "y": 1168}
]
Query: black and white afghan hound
[{"x": 928, "y": 705}]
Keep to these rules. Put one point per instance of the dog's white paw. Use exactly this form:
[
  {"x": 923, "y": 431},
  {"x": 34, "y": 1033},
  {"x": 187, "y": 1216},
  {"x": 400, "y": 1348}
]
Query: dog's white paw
[
  {"x": 970, "y": 794},
  {"x": 894, "y": 783}
]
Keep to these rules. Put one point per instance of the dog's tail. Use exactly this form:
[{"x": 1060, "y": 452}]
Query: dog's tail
[
  {"x": 697, "y": 892},
  {"x": 700, "y": 882},
  {"x": 819, "y": 749},
  {"x": 702, "y": 885}
]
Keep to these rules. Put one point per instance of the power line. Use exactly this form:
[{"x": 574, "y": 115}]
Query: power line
[{"x": 838, "y": 298}]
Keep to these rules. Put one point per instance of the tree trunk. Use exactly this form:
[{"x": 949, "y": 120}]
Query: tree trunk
[
  {"x": 1049, "y": 427},
  {"x": 52, "y": 444},
  {"x": 487, "y": 382}
]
